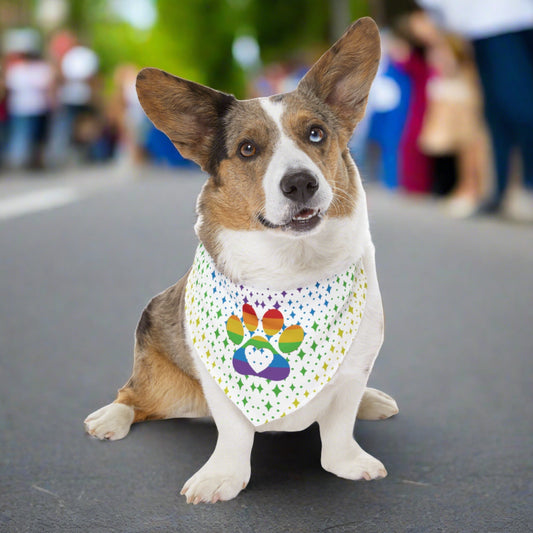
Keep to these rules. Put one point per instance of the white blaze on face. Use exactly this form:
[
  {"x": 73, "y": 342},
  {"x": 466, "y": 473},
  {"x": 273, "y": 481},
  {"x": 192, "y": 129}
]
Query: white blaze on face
[{"x": 288, "y": 157}]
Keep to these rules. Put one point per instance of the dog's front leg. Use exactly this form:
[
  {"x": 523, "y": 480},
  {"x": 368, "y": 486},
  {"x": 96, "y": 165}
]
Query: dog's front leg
[
  {"x": 227, "y": 471},
  {"x": 341, "y": 455}
]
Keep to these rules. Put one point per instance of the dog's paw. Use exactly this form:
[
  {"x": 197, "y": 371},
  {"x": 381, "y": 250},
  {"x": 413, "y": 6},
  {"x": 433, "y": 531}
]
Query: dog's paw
[
  {"x": 111, "y": 422},
  {"x": 355, "y": 465},
  {"x": 211, "y": 484},
  {"x": 376, "y": 405}
]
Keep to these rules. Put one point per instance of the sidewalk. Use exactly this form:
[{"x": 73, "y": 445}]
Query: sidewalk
[
  {"x": 83, "y": 177},
  {"x": 26, "y": 192}
]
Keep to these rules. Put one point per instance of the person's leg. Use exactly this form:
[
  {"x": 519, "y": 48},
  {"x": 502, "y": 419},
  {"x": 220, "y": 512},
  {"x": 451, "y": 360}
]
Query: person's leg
[
  {"x": 506, "y": 73},
  {"x": 444, "y": 174},
  {"x": 19, "y": 146},
  {"x": 416, "y": 169},
  {"x": 501, "y": 140},
  {"x": 3, "y": 140},
  {"x": 60, "y": 136},
  {"x": 39, "y": 135},
  {"x": 389, "y": 158},
  {"x": 524, "y": 130},
  {"x": 525, "y": 141},
  {"x": 519, "y": 206},
  {"x": 502, "y": 143}
]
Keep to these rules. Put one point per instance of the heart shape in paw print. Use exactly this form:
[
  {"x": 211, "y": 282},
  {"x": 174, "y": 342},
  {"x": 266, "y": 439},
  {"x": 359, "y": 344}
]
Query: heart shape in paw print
[{"x": 258, "y": 358}]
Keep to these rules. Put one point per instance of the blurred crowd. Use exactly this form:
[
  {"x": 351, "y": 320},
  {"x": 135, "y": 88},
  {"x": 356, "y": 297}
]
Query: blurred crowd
[
  {"x": 450, "y": 113},
  {"x": 56, "y": 111},
  {"x": 425, "y": 132}
]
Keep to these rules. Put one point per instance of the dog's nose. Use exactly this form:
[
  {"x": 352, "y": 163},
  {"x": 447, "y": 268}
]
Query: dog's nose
[{"x": 298, "y": 186}]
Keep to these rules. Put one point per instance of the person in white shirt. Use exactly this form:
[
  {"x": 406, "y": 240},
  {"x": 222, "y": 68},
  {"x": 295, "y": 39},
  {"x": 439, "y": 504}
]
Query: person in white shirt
[
  {"x": 28, "y": 82},
  {"x": 75, "y": 96}
]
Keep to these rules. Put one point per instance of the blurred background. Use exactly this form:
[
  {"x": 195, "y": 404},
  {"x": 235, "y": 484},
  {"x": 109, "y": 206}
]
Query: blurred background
[
  {"x": 97, "y": 215},
  {"x": 449, "y": 116}
]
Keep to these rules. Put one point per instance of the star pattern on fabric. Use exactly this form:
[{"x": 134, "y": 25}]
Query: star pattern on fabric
[{"x": 329, "y": 312}]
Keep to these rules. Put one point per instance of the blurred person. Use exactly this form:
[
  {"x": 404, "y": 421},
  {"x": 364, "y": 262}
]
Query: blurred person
[
  {"x": 29, "y": 83},
  {"x": 77, "y": 95},
  {"x": 417, "y": 32},
  {"x": 387, "y": 109},
  {"x": 295, "y": 70},
  {"x": 270, "y": 81},
  {"x": 137, "y": 138},
  {"x": 454, "y": 130},
  {"x": 95, "y": 136},
  {"x": 502, "y": 36},
  {"x": 59, "y": 44},
  {"x": 127, "y": 116},
  {"x": 161, "y": 151},
  {"x": 3, "y": 114}
]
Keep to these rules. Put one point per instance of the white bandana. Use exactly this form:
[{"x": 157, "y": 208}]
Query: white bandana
[{"x": 271, "y": 351}]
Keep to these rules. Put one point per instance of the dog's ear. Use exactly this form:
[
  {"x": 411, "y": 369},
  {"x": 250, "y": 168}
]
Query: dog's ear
[
  {"x": 190, "y": 115},
  {"x": 343, "y": 75}
]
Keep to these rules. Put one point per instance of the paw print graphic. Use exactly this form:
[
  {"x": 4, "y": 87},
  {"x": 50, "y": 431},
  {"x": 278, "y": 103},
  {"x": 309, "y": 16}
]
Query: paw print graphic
[{"x": 258, "y": 357}]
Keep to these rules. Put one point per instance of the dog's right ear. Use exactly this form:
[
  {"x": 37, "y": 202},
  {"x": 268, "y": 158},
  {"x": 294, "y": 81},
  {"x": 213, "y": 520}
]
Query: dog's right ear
[{"x": 190, "y": 115}]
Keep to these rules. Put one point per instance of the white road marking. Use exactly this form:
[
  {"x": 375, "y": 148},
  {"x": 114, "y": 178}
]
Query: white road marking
[{"x": 36, "y": 201}]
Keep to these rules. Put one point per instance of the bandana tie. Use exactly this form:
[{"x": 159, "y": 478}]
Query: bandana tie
[{"x": 271, "y": 351}]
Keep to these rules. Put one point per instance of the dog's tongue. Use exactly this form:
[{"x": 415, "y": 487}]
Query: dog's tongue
[{"x": 304, "y": 214}]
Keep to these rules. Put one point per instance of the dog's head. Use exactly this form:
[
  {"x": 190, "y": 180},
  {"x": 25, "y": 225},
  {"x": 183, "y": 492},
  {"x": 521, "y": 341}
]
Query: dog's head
[{"x": 277, "y": 164}]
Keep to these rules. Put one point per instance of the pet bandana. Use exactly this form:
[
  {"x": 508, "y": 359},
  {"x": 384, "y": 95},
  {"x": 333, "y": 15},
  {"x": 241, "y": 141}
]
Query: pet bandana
[{"x": 271, "y": 351}]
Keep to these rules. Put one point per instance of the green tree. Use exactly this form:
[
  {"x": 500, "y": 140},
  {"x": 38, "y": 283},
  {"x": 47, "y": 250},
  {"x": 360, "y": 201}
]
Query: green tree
[{"x": 193, "y": 38}]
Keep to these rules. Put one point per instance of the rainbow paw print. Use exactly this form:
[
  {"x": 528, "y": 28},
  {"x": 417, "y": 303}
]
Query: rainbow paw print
[{"x": 257, "y": 357}]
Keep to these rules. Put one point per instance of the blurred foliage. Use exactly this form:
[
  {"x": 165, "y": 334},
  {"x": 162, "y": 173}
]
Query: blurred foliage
[{"x": 193, "y": 38}]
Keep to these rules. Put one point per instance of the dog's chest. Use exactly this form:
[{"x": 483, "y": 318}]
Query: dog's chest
[{"x": 272, "y": 352}]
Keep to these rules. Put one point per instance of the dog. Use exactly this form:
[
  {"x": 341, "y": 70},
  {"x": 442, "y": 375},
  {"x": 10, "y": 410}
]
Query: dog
[{"x": 285, "y": 251}]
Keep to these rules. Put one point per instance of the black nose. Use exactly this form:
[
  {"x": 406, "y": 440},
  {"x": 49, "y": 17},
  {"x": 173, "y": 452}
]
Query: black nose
[{"x": 298, "y": 186}]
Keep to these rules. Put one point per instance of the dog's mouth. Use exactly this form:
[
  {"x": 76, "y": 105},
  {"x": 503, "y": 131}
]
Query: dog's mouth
[{"x": 304, "y": 220}]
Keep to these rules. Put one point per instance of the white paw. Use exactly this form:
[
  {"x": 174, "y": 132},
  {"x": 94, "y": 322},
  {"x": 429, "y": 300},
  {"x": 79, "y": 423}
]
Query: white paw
[
  {"x": 376, "y": 405},
  {"x": 215, "y": 483},
  {"x": 111, "y": 422},
  {"x": 356, "y": 464}
]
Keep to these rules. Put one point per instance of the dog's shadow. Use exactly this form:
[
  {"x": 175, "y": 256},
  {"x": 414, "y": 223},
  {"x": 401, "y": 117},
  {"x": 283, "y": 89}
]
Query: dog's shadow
[
  {"x": 286, "y": 456},
  {"x": 277, "y": 457}
]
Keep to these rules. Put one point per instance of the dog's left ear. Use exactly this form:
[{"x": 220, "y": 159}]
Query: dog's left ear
[
  {"x": 190, "y": 115},
  {"x": 343, "y": 75}
]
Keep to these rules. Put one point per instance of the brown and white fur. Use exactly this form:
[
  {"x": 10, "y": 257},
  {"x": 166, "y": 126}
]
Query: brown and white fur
[{"x": 283, "y": 207}]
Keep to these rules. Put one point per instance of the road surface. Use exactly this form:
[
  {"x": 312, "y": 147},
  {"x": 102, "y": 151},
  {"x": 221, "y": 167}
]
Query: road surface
[{"x": 75, "y": 274}]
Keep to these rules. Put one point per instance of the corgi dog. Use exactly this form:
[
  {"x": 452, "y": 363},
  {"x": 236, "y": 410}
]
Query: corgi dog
[{"x": 285, "y": 251}]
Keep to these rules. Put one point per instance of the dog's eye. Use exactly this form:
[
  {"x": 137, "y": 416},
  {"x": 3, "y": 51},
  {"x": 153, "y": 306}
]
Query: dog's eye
[
  {"x": 247, "y": 149},
  {"x": 316, "y": 134}
]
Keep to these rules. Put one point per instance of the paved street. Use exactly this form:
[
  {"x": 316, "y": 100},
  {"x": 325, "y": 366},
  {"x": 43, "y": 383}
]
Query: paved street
[{"x": 458, "y": 358}]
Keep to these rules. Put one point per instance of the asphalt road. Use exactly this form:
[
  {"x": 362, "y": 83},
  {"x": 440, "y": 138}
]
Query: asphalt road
[{"x": 458, "y": 358}]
